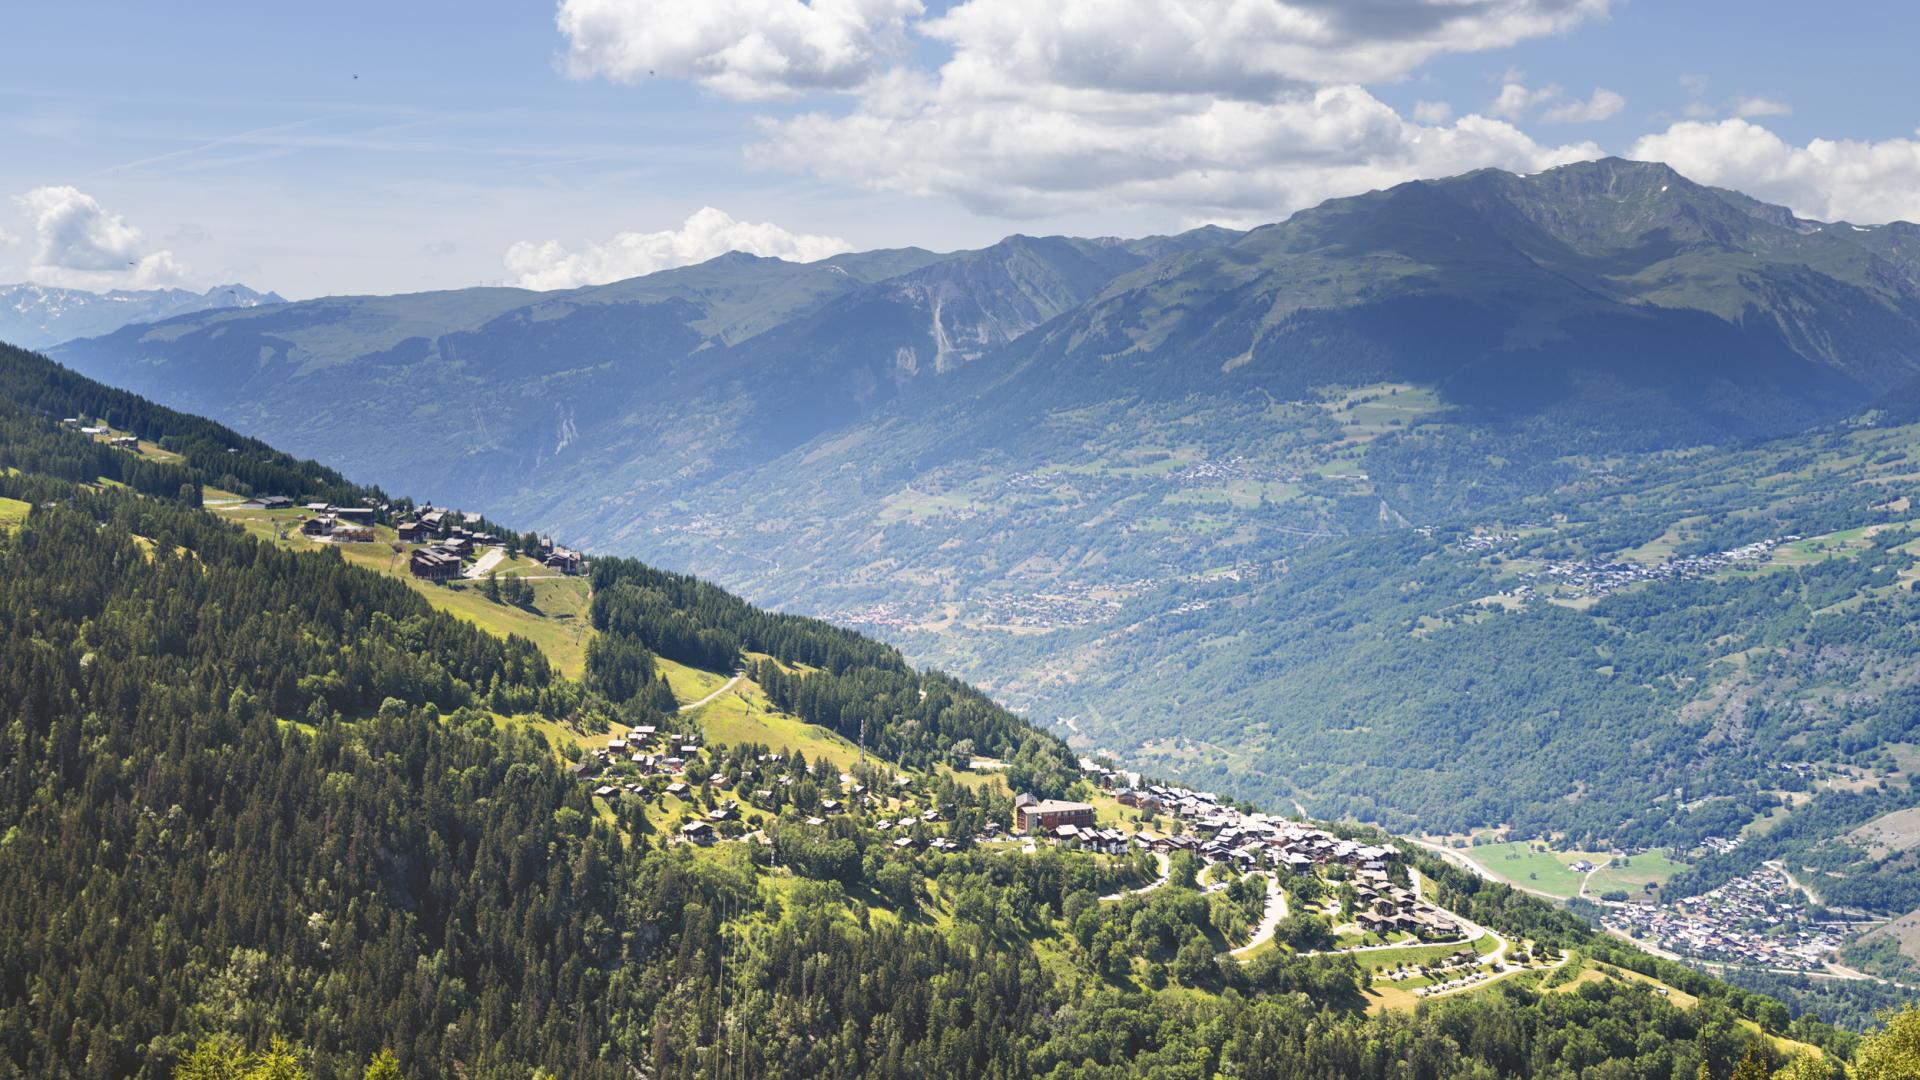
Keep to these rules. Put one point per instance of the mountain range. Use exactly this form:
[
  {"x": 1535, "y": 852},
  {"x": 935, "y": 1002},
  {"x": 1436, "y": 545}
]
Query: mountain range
[
  {"x": 35, "y": 316},
  {"x": 1213, "y": 501}
]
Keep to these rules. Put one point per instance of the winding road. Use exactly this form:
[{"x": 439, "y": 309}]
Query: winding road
[{"x": 1269, "y": 922}]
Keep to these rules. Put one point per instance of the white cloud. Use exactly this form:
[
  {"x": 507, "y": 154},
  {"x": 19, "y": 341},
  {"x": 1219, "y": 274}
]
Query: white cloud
[
  {"x": 1603, "y": 104},
  {"x": 738, "y": 48},
  {"x": 1432, "y": 112},
  {"x": 1239, "y": 48},
  {"x": 1826, "y": 179},
  {"x": 706, "y": 234},
  {"x": 1515, "y": 100},
  {"x": 1210, "y": 158},
  {"x": 1747, "y": 108},
  {"x": 1227, "y": 110},
  {"x": 82, "y": 245}
]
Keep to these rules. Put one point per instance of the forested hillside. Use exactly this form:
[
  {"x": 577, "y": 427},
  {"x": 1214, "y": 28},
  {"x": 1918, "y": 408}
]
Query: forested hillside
[{"x": 266, "y": 799}]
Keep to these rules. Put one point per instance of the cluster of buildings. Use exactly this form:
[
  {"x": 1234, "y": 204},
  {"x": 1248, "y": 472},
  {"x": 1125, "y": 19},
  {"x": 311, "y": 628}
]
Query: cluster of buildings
[
  {"x": 445, "y": 547},
  {"x": 337, "y": 524},
  {"x": 1716, "y": 845},
  {"x": 1596, "y": 579},
  {"x": 1757, "y": 920},
  {"x": 120, "y": 442},
  {"x": 641, "y": 753},
  {"x": 1216, "y": 473},
  {"x": 1067, "y": 604}
]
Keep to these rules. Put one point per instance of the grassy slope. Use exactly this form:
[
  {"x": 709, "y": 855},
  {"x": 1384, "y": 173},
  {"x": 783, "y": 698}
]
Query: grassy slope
[
  {"x": 742, "y": 714},
  {"x": 557, "y": 623}
]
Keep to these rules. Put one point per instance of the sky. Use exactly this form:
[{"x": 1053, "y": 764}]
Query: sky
[{"x": 360, "y": 147}]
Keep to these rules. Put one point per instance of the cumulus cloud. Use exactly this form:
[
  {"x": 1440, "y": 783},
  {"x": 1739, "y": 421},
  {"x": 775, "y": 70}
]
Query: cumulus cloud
[
  {"x": 706, "y": 234},
  {"x": 82, "y": 245},
  {"x": 1225, "y": 109},
  {"x": 1827, "y": 179},
  {"x": 1748, "y": 108},
  {"x": 1515, "y": 100},
  {"x": 1210, "y": 158},
  {"x": 1602, "y": 104},
  {"x": 739, "y": 48},
  {"x": 1241, "y": 48},
  {"x": 1432, "y": 112}
]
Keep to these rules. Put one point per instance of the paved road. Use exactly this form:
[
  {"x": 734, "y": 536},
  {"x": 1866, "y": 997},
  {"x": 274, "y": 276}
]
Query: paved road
[
  {"x": 487, "y": 561},
  {"x": 731, "y": 683},
  {"x": 1474, "y": 933},
  {"x": 1276, "y": 910},
  {"x": 1461, "y": 859}
]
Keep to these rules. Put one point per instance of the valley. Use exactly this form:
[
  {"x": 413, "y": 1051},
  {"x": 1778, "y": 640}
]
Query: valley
[
  {"x": 1574, "y": 507},
  {"x": 769, "y": 792}
]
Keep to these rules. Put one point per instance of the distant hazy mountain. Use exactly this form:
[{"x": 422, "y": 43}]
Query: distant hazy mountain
[
  {"x": 35, "y": 316},
  {"x": 715, "y": 365}
]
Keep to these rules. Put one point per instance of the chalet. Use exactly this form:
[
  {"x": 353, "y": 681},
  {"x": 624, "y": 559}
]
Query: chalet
[
  {"x": 317, "y": 526},
  {"x": 433, "y": 519},
  {"x": 581, "y": 771},
  {"x": 434, "y": 565},
  {"x": 567, "y": 562},
  {"x": 267, "y": 502},
  {"x": 415, "y": 532},
  {"x": 697, "y": 832},
  {"x": 1045, "y": 815},
  {"x": 606, "y": 791},
  {"x": 124, "y": 442},
  {"x": 677, "y": 789},
  {"x": 353, "y": 513},
  {"x": 457, "y": 545},
  {"x": 345, "y": 532},
  {"x": 316, "y": 508}
]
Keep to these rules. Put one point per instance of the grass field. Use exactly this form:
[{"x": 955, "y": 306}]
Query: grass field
[
  {"x": 688, "y": 684},
  {"x": 1888, "y": 833},
  {"x": 557, "y": 622},
  {"x": 1633, "y": 873},
  {"x": 744, "y": 715},
  {"x": 12, "y": 512},
  {"x": 1542, "y": 871}
]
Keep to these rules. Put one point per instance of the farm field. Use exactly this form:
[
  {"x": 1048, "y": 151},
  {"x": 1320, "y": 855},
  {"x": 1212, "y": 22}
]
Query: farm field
[
  {"x": 1633, "y": 873},
  {"x": 1520, "y": 863}
]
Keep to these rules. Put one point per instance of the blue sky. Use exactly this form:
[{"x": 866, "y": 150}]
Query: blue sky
[{"x": 489, "y": 143}]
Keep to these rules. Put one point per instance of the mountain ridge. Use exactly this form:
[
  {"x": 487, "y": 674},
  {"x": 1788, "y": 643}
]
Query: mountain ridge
[{"x": 36, "y": 316}]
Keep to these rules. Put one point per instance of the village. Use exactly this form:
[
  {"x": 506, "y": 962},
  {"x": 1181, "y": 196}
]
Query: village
[
  {"x": 1373, "y": 902},
  {"x": 437, "y": 541},
  {"x": 1756, "y": 920},
  {"x": 1595, "y": 579}
]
